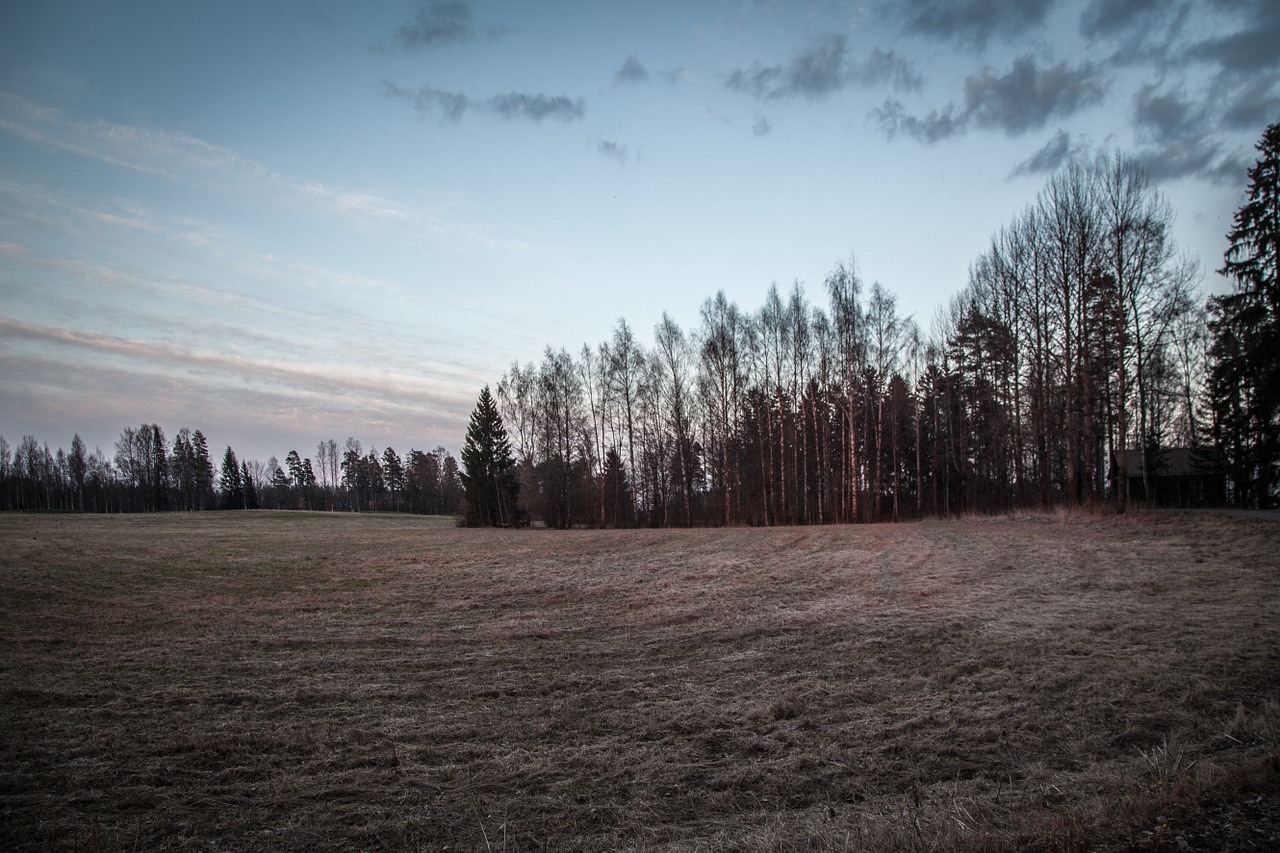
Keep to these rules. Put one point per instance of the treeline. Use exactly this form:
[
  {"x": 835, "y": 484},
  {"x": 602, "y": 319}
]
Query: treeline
[
  {"x": 148, "y": 474},
  {"x": 1080, "y": 335}
]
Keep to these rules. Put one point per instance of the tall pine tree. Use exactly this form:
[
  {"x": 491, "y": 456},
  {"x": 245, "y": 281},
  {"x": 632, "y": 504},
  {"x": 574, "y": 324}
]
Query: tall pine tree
[
  {"x": 202, "y": 470},
  {"x": 232, "y": 481},
  {"x": 1244, "y": 383},
  {"x": 489, "y": 481}
]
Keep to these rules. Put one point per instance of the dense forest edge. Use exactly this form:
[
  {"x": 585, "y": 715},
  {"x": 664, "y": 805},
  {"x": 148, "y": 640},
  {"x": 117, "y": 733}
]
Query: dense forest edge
[
  {"x": 1080, "y": 366},
  {"x": 147, "y": 474}
]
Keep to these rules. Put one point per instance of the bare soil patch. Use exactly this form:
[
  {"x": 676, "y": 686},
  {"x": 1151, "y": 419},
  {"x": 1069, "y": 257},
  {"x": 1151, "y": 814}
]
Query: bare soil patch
[{"x": 265, "y": 681}]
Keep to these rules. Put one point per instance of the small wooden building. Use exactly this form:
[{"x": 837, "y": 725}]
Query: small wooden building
[{"x": 1177, "y": 476}]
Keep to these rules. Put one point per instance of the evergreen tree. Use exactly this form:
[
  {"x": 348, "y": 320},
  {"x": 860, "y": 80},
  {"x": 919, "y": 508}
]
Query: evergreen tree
[
  {"x": 489, "y": 482},
  {"x": 231, "y": 481},
  {"x": 250, "y": 490},
  {"x": 202, "y": 470},
  {"x": 1244, "y": 383},
  {"x": 394, "y": 474},
  {"x": 158, "y": 470},
  {"x": 183, "y": 469},
  {"x": 296, "y": 472},
  {"x": 280, "y": 487},
  {"x": 372, "y": 481}
]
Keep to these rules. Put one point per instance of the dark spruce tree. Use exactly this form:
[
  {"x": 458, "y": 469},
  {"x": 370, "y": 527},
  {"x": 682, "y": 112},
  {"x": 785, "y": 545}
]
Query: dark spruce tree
[
  {"x": 489, "y": 481},
  {"x": 1244, "y": 380},
  {"x": 202, "y": 469},
  {"x": 250, "y": 490},
  {"x": 232, "y": 481}
]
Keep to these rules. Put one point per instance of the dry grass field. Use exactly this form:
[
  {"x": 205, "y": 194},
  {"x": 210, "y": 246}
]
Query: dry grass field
[{"x": 261, "y": 681}]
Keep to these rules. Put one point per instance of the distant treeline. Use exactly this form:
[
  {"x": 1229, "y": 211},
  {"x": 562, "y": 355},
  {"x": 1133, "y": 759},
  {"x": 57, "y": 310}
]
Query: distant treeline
[
  {"x": 1079, "y": 336},
  {"x": 148, "y": 474}
]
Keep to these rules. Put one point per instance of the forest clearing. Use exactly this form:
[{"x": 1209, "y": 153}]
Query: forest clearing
[{"x": 311, "y": 681}]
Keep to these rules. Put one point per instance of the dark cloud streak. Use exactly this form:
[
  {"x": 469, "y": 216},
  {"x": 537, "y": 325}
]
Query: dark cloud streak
[
  {"x": 1253, "y": 48},
  {"x": 936, "y": 126},
  {"x": 1057, "y": 151},
  {"x": 436, "y": 24},
  {"x": 1197, "y": 156},
  {"x": 514, "y": 105},
  {"x": 426, "y": 100},
  {"x": 613, "y": 151},
  {"x": 1027, "y": 97},
  {"x": 1108, "y": 18},
  {"x": 887, "y": 67},
  {"x": 632, "y": 72},
  {"x": 969, "y": 22},
  {"x": 815, "y": 72},
  {"x": 1165, "y": 117},
  {"x": 1254, "y": 105},
  {"x": 1022, "y": 100},
  {"x": 823, "y": 68},
  {"x": 452, "y": 106}
]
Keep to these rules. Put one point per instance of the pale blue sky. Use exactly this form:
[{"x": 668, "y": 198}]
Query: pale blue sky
[{"x": 284, "y": 222}]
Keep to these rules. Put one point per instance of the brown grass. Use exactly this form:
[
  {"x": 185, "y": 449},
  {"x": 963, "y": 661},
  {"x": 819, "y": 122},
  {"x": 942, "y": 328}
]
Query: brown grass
[{"x": 259, "y": 681}]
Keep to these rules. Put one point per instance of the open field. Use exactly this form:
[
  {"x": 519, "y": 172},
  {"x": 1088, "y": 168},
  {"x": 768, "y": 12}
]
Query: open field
[{"x": 260, "y": 681}]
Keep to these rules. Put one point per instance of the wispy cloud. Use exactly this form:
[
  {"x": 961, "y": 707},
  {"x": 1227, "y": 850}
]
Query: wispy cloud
[
  {"x": 536, "y": 107},
  {"x": 303, "y": 377},
  {"x": 969, "y": 22},
  {"x": 885, "y": 67},
  {"x": 613, "y": 150},
  {"x": 1112, "y": 18},
  {"x": 229, "y": 264},
  {"x": 1056, "y": 152},
  {"x": 98, "y": 375},
  {"x": 1021, "y": 100},
  {"x": 453, "y": 106},
  {"x": 1253, "y": 105},
  {"x": 1028, "y": 96},
  {"x": 934, "y": 126},
  {"x": 180, "y": 323},
  {"x": 1252, "y": 47},
  {"x": 437, "y": 24},
  {"x": 1181, "y": 131},
  {"x": 164, "y": 153},
  {"x": 428, "y": 99},
  {"x": 823, "y": 68},
  {"x": 1164, "y": 115},
  {"x": 631, "y": 72},
  {"x": 815, "y": 72},
  {"x": 1201, "y": 156},
  {"x": 193, "y": 162},
  {"x": 176, "y": 156}
]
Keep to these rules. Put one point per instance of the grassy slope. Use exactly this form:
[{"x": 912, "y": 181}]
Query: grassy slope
[{"x": 301, "y": 681}]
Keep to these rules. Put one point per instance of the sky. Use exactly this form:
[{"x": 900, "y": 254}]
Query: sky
[{"x": 284, "y": 221}]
